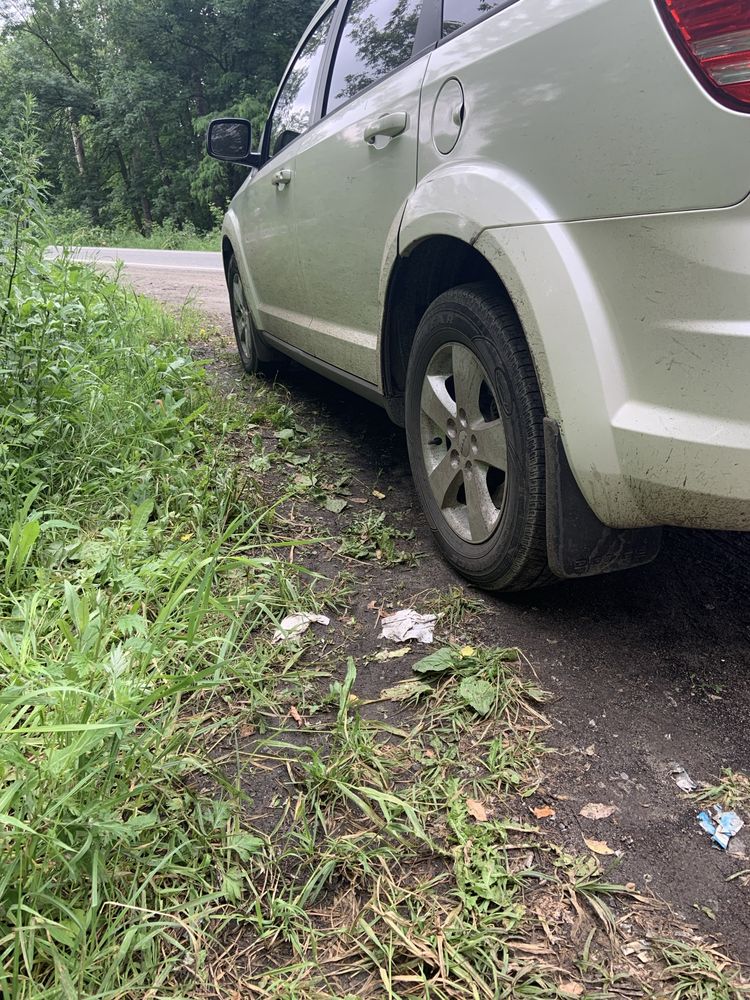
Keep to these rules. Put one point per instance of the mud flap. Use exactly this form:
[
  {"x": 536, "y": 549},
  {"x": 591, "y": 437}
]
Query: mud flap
[{"x": 578, "y": 544}]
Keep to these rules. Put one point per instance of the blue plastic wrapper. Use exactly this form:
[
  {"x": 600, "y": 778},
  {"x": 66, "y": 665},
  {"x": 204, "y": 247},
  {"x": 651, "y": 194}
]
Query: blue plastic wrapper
[{"x": 720, "y": 824}]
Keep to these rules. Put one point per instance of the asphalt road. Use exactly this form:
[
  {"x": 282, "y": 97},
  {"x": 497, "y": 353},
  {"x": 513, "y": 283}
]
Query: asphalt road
[{"x": 176, "y": 276}]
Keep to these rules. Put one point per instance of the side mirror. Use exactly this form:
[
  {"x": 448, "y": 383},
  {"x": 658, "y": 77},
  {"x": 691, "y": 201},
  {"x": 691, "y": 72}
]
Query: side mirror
[{"x": 230, "y": 140}]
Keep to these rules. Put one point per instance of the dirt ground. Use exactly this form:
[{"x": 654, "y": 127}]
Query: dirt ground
[{"x": 646, "y": 668}]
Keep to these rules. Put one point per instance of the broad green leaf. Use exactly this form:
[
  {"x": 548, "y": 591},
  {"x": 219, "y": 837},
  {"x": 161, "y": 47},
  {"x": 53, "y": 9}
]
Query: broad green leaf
[
  {"x": 435, "y": 663},
  {"x": 478, "y": 694}
]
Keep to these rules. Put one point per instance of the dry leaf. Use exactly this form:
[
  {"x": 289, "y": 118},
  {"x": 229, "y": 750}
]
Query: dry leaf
[
  {"x": 571, "y": 989},
  {"x": 590, "y": 750},
  {"x": 598, "y": 846},
  {"x": 378, "y": 494},
  {"x": 544, "y": 812},
  {"x": 246, "y": 730},
  {"x": 357, "y": 500},
  {"x": 294, "y": 714},
  {"x": 392, "y": 654},
  {"x": 477, "y": 810},
  {"x": 597, "y": 810}
]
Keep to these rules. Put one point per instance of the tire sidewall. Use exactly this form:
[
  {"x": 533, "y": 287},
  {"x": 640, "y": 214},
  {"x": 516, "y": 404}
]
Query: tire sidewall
[
  {"x": 451, "y": 320},
  {"x": 249, "y": 361}
]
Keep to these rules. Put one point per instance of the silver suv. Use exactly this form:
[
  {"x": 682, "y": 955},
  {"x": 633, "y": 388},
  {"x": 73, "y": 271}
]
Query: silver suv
[{"x": 524, "y": 229}]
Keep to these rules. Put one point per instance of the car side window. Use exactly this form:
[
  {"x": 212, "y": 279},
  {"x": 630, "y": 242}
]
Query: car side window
[
  {"x": 291, "y": 113},
  {"x": 377, "y": 37},
  {"x": 457, "y": 13}
]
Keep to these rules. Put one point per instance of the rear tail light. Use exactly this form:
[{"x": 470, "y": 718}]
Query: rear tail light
[{"x": 714, "y": 37}]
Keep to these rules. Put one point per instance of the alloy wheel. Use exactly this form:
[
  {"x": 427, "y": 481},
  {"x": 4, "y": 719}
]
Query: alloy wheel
[{"x": 464, "y": 446}]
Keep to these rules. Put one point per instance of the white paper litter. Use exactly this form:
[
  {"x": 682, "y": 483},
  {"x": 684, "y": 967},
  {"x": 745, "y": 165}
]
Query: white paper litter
[
  {"x": 681, "y": 778},
  {"x": 293, "y": 626},
  {"x": 408, "y": 624}
]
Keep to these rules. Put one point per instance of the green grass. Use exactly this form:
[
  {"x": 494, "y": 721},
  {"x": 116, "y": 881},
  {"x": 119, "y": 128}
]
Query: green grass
[
  {"x": 732, "y": 790},
  {"x": 131, "y": 574},
  {"x": 74, "y": 229}
]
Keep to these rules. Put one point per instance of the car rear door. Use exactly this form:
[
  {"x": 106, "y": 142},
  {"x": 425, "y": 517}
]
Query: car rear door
[
  {"x": 354, "y": 171},
  {"x": 266, "y": 206}
]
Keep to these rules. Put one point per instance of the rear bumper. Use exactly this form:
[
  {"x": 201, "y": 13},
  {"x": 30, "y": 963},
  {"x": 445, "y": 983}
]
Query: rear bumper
[{"x": 641, "y": 335}]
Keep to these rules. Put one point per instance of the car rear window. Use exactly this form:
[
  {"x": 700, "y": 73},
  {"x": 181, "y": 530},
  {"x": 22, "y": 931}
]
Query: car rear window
[
  {"x": 377, "y": 37},
  {"x": 457, "y": 13}
]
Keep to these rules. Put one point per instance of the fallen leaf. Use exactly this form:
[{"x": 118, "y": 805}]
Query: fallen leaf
[
  {"x": 597, "y": 810},
  {"x": 571, "y": 989},
  {"x": 246, "y": 730},
  {"x": 544, "y": 812},
  {"x": 335, "y": 504},
  {"x": 598, "y": 846},
  {"x": 405, "y": 691},
  {"x": 392, "y": 654},
  {"x": 590, "y": 751},
  {"x": 294, "y": 714},
  {"x": 378, "y": 494},
  {"x": 477, "y": 810},
  {"x": 372, "y": 606},
  {"x": 357, "y": 499}
]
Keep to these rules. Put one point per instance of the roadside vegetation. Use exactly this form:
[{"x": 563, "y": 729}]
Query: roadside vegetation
[
  {"x": 132, "y": 571},
  {"x": 72, "y": 228},
  {"x": 189, "y": 809}
]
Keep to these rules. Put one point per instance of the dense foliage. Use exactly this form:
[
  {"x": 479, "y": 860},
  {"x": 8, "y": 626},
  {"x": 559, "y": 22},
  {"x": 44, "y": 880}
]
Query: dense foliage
[{"x": 125, "y": 89}]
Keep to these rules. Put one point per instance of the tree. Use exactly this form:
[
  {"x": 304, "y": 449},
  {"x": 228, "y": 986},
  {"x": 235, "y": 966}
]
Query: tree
[{"x": 125, "y": 88}]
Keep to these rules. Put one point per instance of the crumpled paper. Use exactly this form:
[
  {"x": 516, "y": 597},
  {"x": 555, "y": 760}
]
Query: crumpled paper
[
  {"x": 408, "y": 624},
  {"x": 293, "y": 626}
]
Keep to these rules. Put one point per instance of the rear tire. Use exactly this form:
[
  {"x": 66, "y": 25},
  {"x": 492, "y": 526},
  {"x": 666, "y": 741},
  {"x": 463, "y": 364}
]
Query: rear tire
[
  {"x": 255, "y": 357},
  {"x": 474, "y": 428}
]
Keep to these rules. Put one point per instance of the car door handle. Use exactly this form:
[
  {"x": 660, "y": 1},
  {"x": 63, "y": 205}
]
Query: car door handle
[
  {"x": 281, "y": 178},
  {"x": 389, "y": 125}
]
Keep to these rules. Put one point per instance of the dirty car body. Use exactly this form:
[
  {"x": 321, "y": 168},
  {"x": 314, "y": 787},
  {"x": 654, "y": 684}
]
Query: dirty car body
[{"x": 523, "y": 228}]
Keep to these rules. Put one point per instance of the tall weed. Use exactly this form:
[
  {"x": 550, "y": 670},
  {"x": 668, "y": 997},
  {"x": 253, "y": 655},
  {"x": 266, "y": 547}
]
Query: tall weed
[{"x": 132, "y": 570}]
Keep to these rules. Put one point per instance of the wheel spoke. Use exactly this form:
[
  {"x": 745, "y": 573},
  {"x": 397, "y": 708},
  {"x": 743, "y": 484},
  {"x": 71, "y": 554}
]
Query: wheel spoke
[
  {"x": 436, "y": 403},
  {"x": 445, "y": 479},
  {"x": 467, "y": 381},
  {"x": 482, "y": 513},
  {"x": 490, "y": 446}
]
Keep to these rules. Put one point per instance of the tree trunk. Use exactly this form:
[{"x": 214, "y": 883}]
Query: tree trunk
[
  {"x": 201, "y": 104},
  {"x": 147, "y": 219},
  {"x": 124, "y": 173},
  {"x": 78, "y": 149}
]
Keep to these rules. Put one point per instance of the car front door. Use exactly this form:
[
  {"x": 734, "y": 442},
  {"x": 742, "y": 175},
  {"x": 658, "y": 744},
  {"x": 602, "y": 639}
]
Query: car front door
[
  {"x": 353, "y": 174},
  {"x": 266, "y": 205}
]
